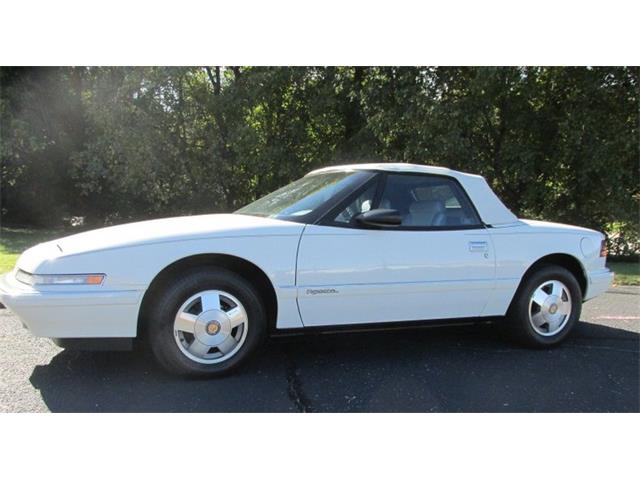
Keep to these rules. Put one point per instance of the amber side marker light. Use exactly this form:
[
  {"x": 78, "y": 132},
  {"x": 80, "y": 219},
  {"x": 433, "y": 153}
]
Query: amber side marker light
[{"x": 95, "y": 279}]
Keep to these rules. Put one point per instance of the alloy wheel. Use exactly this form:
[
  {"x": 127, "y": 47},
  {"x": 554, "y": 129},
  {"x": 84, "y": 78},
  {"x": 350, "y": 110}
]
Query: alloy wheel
[
  {"x": 211, "y": 326},
  {"x": 550, "y": 308}
]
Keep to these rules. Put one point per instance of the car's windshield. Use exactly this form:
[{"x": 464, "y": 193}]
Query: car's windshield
[{"x": 304, "y": 196}]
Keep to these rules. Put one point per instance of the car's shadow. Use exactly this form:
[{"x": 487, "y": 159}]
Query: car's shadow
[{"x": 444, "y": 369}]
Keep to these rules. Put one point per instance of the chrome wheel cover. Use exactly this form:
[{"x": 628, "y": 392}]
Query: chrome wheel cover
[
  {"x": 550, "y": 308},
  {"x": 210, "y": 327}
]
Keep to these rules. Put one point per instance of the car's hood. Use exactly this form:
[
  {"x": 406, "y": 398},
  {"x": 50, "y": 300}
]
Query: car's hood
[{"x": 174, "y": 229}]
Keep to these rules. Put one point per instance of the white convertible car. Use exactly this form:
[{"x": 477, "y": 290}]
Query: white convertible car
[{"x": 359, "y": 245}]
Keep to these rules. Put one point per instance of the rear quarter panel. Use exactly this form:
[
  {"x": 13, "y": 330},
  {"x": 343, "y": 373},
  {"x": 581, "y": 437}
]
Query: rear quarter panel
[{"x": 519, "y": 246}]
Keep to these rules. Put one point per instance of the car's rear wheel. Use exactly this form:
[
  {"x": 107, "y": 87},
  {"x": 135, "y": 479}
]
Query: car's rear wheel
[
  {"x": 546, "y": 308},
  {"x": 206, "y": 322}
]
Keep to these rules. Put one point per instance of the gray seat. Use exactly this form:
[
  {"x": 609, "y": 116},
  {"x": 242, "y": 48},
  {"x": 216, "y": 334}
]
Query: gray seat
[{"x": 426, "y": 213}]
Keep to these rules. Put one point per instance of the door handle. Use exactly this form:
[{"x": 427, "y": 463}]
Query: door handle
[{"x": 478, "y": 247}]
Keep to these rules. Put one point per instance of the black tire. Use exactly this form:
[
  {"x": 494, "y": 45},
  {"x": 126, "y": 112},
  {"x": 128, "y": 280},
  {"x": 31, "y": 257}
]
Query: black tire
[
  {"x": 167, "y": 302},
  {"x": 517, "y": 324}
]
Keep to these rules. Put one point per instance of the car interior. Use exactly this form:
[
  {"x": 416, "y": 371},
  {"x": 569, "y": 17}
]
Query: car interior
[{"x": 426, "y": 202}]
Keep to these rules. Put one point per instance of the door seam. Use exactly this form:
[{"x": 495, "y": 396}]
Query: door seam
[{"x": 295, "y": 275}]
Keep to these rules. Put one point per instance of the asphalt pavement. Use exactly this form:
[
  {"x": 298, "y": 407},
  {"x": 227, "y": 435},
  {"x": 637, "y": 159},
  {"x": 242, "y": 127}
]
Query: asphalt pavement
[{"x": 446, "y": 369}]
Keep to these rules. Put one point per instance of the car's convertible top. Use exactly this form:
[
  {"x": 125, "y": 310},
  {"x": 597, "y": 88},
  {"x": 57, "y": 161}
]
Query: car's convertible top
[{"x": 491, "y": 210}]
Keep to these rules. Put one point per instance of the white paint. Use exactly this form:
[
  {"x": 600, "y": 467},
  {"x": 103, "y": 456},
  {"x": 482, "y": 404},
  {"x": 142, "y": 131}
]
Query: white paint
[
  {"x": 344, "y": 276},
  {"x": 384, "y": 275}
]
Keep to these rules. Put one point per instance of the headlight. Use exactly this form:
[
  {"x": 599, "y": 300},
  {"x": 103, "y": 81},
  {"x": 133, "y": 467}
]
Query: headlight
[{"x": 62, "y": 279}]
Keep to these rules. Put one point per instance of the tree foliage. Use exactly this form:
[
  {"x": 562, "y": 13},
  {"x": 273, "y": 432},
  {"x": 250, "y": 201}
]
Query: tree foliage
[{"x": 112, "y": 144}]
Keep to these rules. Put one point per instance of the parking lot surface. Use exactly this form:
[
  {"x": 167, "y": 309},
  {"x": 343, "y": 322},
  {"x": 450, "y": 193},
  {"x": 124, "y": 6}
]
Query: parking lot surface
[{"x": 448, "y": 369}]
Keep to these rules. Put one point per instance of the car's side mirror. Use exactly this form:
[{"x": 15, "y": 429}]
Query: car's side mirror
[{"x": 380, "y": 217}]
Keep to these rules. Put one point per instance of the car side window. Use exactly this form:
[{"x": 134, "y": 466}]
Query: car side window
[
  {"x": 361, "y": 204},
  {"x": 428, "y": 201}
]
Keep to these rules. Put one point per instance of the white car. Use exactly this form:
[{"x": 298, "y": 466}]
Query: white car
[{"x": 358, "y": 245}]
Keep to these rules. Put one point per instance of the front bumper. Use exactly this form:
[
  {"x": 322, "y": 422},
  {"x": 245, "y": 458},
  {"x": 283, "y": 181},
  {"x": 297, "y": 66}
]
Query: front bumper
[
  {"x": 599, "y": 282},
  {"x": 69, "y": 312}
]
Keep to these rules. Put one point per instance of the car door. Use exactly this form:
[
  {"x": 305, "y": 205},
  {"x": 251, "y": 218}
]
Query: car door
[{"x": 437, "y": 264}]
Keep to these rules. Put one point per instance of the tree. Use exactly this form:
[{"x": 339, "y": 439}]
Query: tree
[{"x": 116, "y": 144}]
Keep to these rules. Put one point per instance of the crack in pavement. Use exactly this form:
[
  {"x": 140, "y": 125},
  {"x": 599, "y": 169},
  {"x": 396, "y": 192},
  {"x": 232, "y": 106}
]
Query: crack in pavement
[{"x": 294, "y": 384}]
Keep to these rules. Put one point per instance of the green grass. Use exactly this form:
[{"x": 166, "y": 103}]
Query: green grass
[
  {"x": 626, "y": 273},
  {"x": 13, "y": 241}
]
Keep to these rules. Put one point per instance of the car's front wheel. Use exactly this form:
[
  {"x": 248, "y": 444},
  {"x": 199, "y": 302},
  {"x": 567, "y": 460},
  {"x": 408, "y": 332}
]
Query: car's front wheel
[
  {"x": 206, "y": 322},
  {"x": 546, "y": 307}
]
